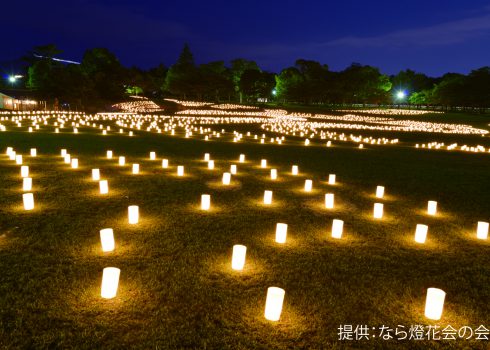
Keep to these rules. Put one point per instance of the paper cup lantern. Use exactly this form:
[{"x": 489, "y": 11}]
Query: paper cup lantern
[
  {"x": 380, "y": 191},
  {"x": 273, "y": 303},
  {"x": 308, "y": 185},
  {"x": 378, "y": 210},
  {"x": 28, "y": 199},
  {"x": 180, "y": 170},
  {"x": 107, "y": 239},
  {"x": 273, "y": 174},
  {"x": 136, "y": 168},
  {"x": 33, "y": 152},
  {"x": 109, "y": 154},
  {"x": 27, "y": 184},
  {"x": 242, "y": 158},
  {"x": 432, "y": 207},
  {"x": 331, "y": 179},
  {"x": 329, "y": 200},
  {"x": 337, "y": 228},
  {"x": 133, "y": 214},
  {"x": 153, "y": 156},
  {"x": 434, "y": 303},
  {"x": 238, "y": 257},
  {"x": 267, "y": 197},
  {"x": 103, "y": 186},
  {"x": 24, "y": 171},
  {"x": 233, "y": 169},
  {"x": 95, "y": 174},
  {"x": 226, "y": 178},
  {"x": 110, "y": 282},
  {"x": 122, "y": 160},
  {"x": 281, "y": 232},
  {"x": 482, "y": 230},
  {"x": 263, "y": 163},
  {"x": 205, "y": 201},
  {"x": 421, "y": 233},
  {"x": 206, "y": 157},
  {"x": 294, "y": 170}
]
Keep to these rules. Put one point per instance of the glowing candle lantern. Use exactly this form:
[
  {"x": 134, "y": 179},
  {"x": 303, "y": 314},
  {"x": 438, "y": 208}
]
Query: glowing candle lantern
[
  {"x": 133, "y": 214},
  {"x": 74, "y": 163},
  {"x": 378, "y": 210},
  {"x": 281, "y": 232},
  {"x": 205, "y": 201},
  {"x": 211, "y": 164},
  {"x": 18, "y": 159},
  {"x": 165, "y": 163},
  {"x": 308, "y": 185},
  {"x": 432, "y": 207},
  {"x": 107, "y": 239},
  {"x": 329, "y": 200},
  {"x": 27, "y": 184},
  {"x": 110, "y": 282},
  {"x": 434, "y": 303},
  {"x": 273, "y": 174},
  {"x": 206, "y": 157},
  {"x": 242, "y": 158},
  {"x": 180, "y": 170},
  {"x": 238, "y": 257},
  {"x": 63, "y": 152},
  {"x": 337, "y": 228},
  {"x": 380, "y": 191},
  {"x": 109, "y": 154},
  {"x": 421, "y": 233},
  {"x": 294, "y": 170},
  {"x": 12, "y": 155},
  {"x": 33, "y": 152},
  {"x": 136, "y": 168},
  {"x": 153, "y": 156},
  {"x": 67, "y": 159},
  {"x": 331, "y": 179},
  {"x": 28, "y": 199},
  {"x": 95, "y": 174},
  {"x": 9, "y": 150},
  {"x": 226, "y": 178},
  {"x": 103, "y": 187},
  {"x": 482, "y": 230},
  {"x": 233, "y": 169},
  {"x": 263, "y": 163},
  {"x": 24, "y": 171},
  {"x": 122, "y": 160},
  {"x": 273, "y": 303},
  {"x": 268, "y": 197}
]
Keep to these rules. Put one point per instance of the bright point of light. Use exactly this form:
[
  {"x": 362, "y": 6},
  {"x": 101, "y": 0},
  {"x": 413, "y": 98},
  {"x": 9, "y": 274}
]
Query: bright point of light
[
  {"x": 12, "y": 79},
  {"x": 274, "y": 92},
  {"x": 400, "y": 94}
]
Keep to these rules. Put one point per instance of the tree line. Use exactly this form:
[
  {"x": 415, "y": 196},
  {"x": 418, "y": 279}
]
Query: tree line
[{"x": 100, "y": 80}]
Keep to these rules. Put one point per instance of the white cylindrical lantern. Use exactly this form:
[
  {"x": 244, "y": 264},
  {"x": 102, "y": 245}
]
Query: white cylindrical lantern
[
  {"x": 263, "y": 163},
  {"x": 273, "y": 304},
  {"x": 205, "y": 201},
  {"x": 242, "y": 158},
  {"x": 331, "y": 179},
  {"x": 211, "y": 164},
  {"x": 109, "y": 154},
  {"x": 432, "y": 207},
  {"x": 136, "y": 168},
  {"x": 281, "y": 232},
  {"x": 206, "y": 157},
  {"x": 95, "y": 174},
  {"x": 33, "y": 152},
  {"x": 107, "y": 239},
  {"x": 24, "y": 171},
  {"x": 28, "y": 199},
  {"x": 233, "y": 169},
  {"x": 482, "y": 230},
  {"x": 165, "y": 163},
  {"x": 27, "y": 184},
  {"x": 18, "y": 159},
  {"x": 122, "y": 160},
  {"x": 434, "y": 303},
  {"x": 378, "y": 210},
  {"x": 67, "y": 159},
  {"x": 337, "y": 228},
  {"x": 103, "y": 186},
  {"x": 421, "y": 233},
  {"x": 380, "y": 191},
  {"x": 153, "y": 156},
  {"x": 329, "y": 200},
  {"x": 267, "y": 197},
  {"x": 74, "y": 163},
  {"x": 308, "y": 185},
  {"x": 180, "y": 170},
  {"x": 226, "y": 178},
  {"x": 110, "y": 282},
  {"x": 273, "y": 174},
  {"x": 294, "y": 170},
  {"x": 238, "y": 257},
  {"x": 133, "y": 214}
]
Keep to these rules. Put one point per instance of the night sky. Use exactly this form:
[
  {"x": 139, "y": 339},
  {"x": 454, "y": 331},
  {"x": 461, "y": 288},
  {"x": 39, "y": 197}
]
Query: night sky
[{"x": 433, "y": 37}]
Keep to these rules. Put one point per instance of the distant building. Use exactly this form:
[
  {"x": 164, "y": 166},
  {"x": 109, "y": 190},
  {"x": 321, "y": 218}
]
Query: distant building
[{"x": 13, "y": 104}]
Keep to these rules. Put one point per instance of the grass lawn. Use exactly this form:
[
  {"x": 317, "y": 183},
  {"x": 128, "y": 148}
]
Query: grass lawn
[{"x": 177, "y": 288}]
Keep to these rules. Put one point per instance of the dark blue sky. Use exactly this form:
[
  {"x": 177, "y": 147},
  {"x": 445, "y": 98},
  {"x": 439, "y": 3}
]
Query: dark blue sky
[{"x": 433, "y": 37}]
